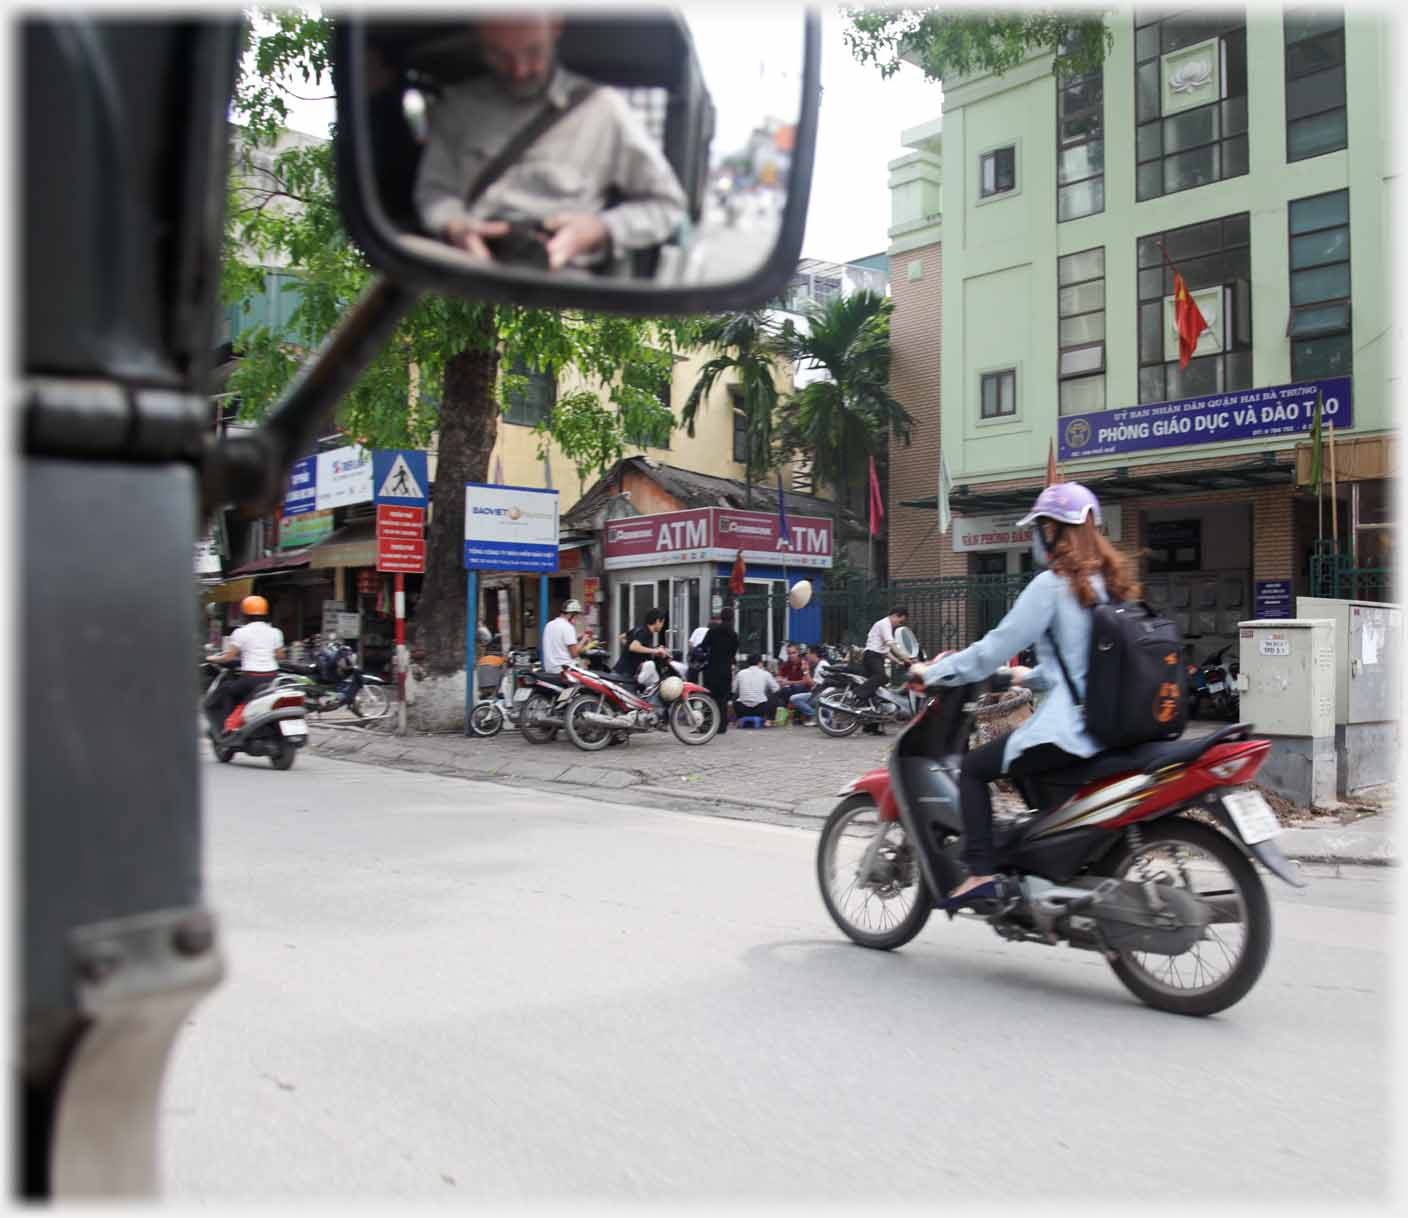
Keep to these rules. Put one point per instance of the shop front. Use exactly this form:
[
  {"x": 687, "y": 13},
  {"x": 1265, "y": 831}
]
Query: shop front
[{"x": 681, "y": 562}]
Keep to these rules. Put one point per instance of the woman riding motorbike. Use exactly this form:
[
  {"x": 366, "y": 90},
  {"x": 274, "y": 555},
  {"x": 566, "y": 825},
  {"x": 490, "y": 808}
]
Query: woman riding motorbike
[{"x": 1081, "y": 569}]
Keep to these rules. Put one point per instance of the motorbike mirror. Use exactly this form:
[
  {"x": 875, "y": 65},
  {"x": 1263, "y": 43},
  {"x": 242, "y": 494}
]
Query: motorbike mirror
[{"x": 688, "y": 175}]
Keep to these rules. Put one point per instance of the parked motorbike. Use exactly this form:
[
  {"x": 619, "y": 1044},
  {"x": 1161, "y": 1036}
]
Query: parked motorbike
[
  {"x": 601, "y": 708},
  {"x": 505, "y": 706},
  {"x": 1116, "y": 855},
  {"x": 335, "y": 680},
  {"x": 272, "y": 723},
  {"x": 840, "y": 711},
  {"x": 1214, "y": 682},
  {"x": 544, "y": 707}
]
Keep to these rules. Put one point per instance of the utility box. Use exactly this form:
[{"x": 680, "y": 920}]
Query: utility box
[
  {"x": 1287, "y": 685},
  {"x": 1368, "y": 707}
]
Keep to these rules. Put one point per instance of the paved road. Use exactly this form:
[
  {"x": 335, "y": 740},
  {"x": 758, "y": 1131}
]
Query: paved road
[{"x": 446, "y": 989}]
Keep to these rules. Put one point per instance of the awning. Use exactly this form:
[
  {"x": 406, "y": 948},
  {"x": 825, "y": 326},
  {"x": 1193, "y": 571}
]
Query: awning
[
  {"x": 353, "y": 545},
  {"x": 287, "y": 561},
  {"x": 232, "y": 591},
  {"x": 967, "y": 501}
]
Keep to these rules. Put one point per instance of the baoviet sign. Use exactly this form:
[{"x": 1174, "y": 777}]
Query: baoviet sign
[{"x": 716, "y": 535}]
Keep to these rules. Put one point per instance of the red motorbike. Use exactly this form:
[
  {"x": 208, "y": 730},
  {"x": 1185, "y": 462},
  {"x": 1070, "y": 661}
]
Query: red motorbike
[
  {"x": 1142, "y": 854},
  {"x": 602, "y": 708}
]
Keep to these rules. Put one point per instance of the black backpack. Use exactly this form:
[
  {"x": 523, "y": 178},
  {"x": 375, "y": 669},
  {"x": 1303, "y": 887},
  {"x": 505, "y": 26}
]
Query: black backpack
[{"x": 1135, "y": 677}]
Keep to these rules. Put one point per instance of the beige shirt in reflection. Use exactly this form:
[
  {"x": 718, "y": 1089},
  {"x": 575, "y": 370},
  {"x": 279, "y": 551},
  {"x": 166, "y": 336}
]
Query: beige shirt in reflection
[{"x": 571, "y": 167}]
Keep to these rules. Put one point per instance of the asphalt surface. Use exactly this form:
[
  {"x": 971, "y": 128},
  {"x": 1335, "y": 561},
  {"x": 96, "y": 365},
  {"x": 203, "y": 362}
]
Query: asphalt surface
[{"x": 445, "y": 989}]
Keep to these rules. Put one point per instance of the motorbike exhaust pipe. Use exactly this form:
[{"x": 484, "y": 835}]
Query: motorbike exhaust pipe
[{"x": 611, "y": 721}]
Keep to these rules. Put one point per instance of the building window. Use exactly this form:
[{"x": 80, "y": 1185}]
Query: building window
[
  {"x": 1080, "y": 305},
  {"x": 1319, "y": 325},
  {"x": 997, "y": 171},
  {"x": 1080, "y": 147},
  {"x": 1215, "y": 261},
  {"x": 998, "y": 393},
  {"x": 1174, "y": 545},
  {"x": 1315, "y": 108},
  {"x": 656, "y": 381},
  {"x": 740, "y": 426},
  {"x": 532, "y": 400},
  {"x": 1190, "y": 101}
]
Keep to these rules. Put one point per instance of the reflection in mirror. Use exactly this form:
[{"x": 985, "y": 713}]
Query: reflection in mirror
[{"x": 587, "y": 145}]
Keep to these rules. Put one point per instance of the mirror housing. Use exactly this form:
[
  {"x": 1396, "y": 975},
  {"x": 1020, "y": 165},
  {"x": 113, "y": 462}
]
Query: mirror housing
[{"x": 642, "y": 48}]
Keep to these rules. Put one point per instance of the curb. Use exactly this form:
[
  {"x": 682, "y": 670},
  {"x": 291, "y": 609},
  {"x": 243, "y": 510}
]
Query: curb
[{"x": 1299, "y": 845}]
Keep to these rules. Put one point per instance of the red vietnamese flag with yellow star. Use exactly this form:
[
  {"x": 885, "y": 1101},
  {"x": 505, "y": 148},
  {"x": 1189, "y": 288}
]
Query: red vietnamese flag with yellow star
[{"x": 1187, "y": 319}]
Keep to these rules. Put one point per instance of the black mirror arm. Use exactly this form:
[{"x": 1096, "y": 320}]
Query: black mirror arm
[{"x": 251, "y": 470}]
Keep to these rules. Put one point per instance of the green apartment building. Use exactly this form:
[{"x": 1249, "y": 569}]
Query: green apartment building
[{"x": 1034, "y": 304}]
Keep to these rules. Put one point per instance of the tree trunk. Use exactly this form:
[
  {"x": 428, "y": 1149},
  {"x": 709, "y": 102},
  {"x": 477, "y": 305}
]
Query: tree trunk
[{"x": 469, "y": 425}]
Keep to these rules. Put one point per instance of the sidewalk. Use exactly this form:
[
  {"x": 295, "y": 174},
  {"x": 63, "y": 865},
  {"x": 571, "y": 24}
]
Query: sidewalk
[{"x": 777, "y": 774}]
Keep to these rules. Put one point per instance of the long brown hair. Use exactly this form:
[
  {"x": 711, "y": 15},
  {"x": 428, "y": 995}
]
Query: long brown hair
[{"x": 1080, "y": 551}]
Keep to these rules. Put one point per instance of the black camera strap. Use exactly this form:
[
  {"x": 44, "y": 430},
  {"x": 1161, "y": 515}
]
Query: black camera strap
[{"x": 524, "y": 138}]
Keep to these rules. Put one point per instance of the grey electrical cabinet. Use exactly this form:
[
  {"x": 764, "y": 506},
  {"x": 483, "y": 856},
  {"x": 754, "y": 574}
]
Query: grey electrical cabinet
[
  {"x": 1287, "y": 685},
  {"x": 1368, "y": 691}
]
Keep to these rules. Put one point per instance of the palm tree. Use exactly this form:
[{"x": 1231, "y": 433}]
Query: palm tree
[
  {"x": 746, "y": 345},
  {"x": 851, "y": 414}
]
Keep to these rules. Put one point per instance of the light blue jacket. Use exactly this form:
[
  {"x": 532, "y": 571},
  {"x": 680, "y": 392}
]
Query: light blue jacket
[{"x": 1048, "y": 601}]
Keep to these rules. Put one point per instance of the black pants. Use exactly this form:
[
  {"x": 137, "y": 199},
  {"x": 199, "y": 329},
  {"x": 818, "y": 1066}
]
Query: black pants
[
  {"x": 720, "y": 687},
  {"x": 984, "y": 765},
  {"x": 233, "y": 691},
  {"x": 763, "y": 710},
  {"x": 872, "y": 663}
]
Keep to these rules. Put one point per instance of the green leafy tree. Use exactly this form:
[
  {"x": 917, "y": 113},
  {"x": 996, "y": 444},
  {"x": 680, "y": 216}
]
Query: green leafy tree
[
  {"x": 963, "y": 41},
  {"x": 445, "y": 355},
  {"x": 851, "y": 414},
  {"x": 747, "y": 356}
]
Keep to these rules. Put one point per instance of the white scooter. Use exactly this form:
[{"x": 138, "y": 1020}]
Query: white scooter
[{"x": 273, "y": 723}]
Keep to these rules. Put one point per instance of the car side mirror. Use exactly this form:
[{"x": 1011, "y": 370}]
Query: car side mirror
[{"x": 627, "y": 161}]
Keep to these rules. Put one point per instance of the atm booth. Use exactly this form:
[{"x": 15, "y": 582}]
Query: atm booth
[{"x": 681, "y": 561}]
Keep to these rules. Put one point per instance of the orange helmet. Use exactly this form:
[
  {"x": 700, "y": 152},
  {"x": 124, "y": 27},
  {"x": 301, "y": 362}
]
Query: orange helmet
[{"x": 254, "y": 606}]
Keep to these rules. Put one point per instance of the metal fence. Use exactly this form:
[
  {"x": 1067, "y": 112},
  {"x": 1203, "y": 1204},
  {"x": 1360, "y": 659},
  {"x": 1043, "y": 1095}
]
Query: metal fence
[
  {"x": 945, "y": 614},
  {"x": 1333, "y": 574}
]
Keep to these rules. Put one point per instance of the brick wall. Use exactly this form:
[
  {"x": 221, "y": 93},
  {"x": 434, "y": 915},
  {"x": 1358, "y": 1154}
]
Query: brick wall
[{"x": 914, "y": 380}]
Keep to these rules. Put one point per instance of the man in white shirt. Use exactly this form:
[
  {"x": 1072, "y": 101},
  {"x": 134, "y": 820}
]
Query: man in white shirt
[
  {"x": 880, "y": 646},
  {"x": 753, "y": 690},
  {"x": 258, "y": 647},
  {"x": 560, "y": 641}
]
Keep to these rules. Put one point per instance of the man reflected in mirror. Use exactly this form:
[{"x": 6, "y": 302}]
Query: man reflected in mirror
[{"x": 590, "y": 189}]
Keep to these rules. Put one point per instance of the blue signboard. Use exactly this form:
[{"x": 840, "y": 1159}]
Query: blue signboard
[
  {"x": 302, "y": 493},
  {"x": 400, "y": 475},
  {"x": 1244, "y": 414},
  {"x": 1273, "y": 598},
  {"x": 510, "y": 528}
]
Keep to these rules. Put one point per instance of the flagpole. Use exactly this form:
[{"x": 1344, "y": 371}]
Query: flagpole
[{"x": 1334, "y": 497}]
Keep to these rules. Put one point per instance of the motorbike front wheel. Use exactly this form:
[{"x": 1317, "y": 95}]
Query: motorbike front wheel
[
  {"x": 371, "y": 702},
  {"x": 878, "y": 898},
  {"x": 834, "y": 719},
  {"x": 706, "y": 714},
  {"x": 586, "y": 735},
  {"x": 1220, "y": 968},
  {"x": 486, "y": 719},
  {"x": 536, "y": 708}
]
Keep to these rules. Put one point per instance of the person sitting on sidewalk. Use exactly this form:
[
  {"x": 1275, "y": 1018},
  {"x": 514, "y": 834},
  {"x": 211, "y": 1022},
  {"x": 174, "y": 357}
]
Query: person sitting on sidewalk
[
  {"x": 792, "y": 673},
  {"x": 803, "y": 703},
  {"x": 754, "y": 689}
]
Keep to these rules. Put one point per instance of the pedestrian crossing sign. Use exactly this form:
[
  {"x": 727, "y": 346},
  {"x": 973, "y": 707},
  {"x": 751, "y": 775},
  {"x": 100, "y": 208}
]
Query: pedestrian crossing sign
[{"x": 400, "y": 475}]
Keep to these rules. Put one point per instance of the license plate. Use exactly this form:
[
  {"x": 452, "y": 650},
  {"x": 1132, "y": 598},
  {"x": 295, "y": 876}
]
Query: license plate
[
  {"x": 293, "y": 727},
  {"x": 1252, "y": 815},
  {"x": 521, "y": 695},
  {"x": 1215, "y": 687}
]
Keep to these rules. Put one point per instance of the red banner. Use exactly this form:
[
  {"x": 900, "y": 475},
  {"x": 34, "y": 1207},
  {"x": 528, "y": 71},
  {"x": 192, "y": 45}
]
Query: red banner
[{"x": 400, "y": 539}]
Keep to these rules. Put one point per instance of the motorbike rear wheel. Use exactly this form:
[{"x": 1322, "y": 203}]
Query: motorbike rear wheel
[
  {"x": 886, "y": 908},
  {"x": 486, "y": 719},
  {"x": 536, "y": 707},
  {"x": 586, "y": 735},
  {"x": 1220, "y": 969},
  {"x": 283, "y": 758},
  {"x": 835, "y": 721},
  {"x": 707, "y": 711}
]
